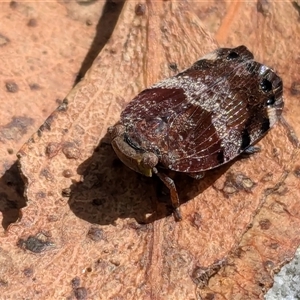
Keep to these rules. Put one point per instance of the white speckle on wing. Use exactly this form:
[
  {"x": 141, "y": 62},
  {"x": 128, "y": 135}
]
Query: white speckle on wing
[{"x": 263, "y": 69}]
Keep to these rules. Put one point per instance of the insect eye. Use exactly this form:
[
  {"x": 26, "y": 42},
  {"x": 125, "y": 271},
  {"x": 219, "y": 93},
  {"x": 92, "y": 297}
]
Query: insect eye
[
  {"x": 271, "y": 101},
  {"x": 232, "y": 55},
  {"x": 266, "y": 85}
]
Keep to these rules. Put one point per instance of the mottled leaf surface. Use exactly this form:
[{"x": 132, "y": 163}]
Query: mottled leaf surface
[
  {"x": 89, "y": 228},
  {"x": 40, "y": 63}
]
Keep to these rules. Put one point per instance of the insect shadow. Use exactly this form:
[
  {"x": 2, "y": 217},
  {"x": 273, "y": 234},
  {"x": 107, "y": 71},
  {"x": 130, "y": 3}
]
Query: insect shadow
[
  {"x": 110, "y": 190},
  {"x": 11, "y": 195}
]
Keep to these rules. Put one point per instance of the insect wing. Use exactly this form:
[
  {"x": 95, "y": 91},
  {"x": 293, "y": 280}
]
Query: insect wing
[{"x": 206, "y": 115}]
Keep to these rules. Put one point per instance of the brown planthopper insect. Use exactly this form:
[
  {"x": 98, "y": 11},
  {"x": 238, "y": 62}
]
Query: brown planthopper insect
[{"x": 199, "y": 119}]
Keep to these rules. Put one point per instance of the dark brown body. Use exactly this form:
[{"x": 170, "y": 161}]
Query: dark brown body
[{"x": 201, "y": 118}]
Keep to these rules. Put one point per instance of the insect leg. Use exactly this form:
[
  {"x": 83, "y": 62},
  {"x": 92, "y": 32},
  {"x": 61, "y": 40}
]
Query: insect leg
[{"x": 169, "y": 183}]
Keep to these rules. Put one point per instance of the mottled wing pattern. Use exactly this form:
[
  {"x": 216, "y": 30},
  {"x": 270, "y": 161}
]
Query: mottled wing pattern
[
  {"x": 206, "y": 115},
  {"x": 217, "y": 136},
  {"x": 148, "y": 117}
]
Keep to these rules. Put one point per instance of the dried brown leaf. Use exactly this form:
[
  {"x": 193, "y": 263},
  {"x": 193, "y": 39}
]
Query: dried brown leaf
[
  {"x": 39, "y": 65},
  {"x": 92, "y": 245}
]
